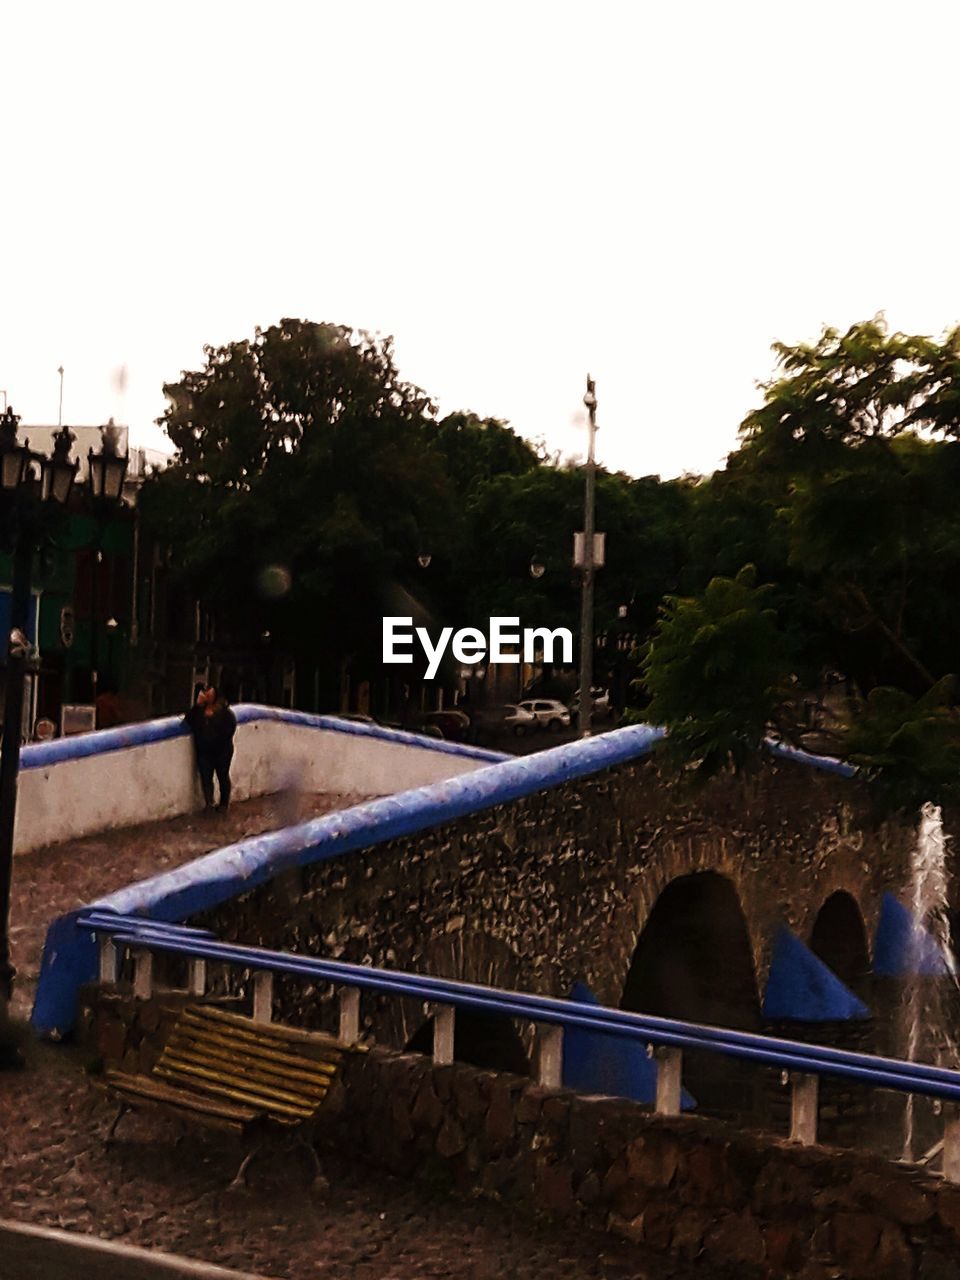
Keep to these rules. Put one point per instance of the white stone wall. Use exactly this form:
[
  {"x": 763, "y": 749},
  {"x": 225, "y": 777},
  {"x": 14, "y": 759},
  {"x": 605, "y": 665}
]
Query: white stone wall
[{"x": 157, "y": 780}]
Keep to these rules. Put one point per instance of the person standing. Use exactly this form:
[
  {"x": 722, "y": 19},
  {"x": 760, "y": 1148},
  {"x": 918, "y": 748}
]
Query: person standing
[{"x": 213, "y": 726}]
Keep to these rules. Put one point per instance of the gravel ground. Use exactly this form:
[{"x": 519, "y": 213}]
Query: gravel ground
[{"x": 146, "y": 1190}]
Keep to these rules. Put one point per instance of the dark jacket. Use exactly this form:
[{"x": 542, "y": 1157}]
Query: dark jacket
[{"x": 213, "y": 733}]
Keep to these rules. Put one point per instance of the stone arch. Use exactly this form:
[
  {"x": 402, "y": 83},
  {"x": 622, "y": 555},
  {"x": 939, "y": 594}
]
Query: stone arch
[
  {"x": 693, "y": 961},
  {"x": 490, "y": 1041},
  {"x": 839, "y": 938},
  {"x": 486, "y": 1040}
]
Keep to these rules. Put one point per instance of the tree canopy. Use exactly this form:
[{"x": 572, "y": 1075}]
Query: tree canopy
[{"x": 821, "y": 563}]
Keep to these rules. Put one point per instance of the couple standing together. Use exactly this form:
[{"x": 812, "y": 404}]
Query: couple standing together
[{"x": 213, "y": 725}]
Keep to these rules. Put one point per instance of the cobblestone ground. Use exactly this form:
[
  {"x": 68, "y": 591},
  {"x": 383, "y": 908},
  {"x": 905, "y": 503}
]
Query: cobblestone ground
[
  {"x": 148, "y": 1191},
  {"x": 59, "y": 878}
]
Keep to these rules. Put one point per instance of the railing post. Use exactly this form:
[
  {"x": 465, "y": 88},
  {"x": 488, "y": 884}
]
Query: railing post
[
  {"x": 108, "y": 959},
  {"x": 444, "y": 1016},
  {"x": 197, "y": 979},
  {"x": 550, "y": 1056},
  {"x": 263, "y": 996},
  {"x": 143, "y": 974},
  {"x": 804, "y": 1091},
  {"x": 349, "y": 1014},
  {"x": 951, "y": 1146},
  {"x": 669, "y": 1073}
]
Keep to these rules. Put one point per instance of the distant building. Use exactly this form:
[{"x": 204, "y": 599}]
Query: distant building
[{"x": 85, "y": 616}]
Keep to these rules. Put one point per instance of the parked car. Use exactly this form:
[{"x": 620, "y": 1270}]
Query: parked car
[
  {"x": 548, "y": 713},
  {"x": 453, "y": 724},
  {"x": 508, "y": 718},
  {"x": 602, "y": 708}
]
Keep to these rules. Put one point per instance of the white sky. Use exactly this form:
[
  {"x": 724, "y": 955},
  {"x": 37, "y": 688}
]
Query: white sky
[{"x": 519, "y": 192}]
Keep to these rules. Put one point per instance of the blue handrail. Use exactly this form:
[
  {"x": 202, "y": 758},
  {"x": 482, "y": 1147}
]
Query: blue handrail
[{"x": 790, "y": 1055}]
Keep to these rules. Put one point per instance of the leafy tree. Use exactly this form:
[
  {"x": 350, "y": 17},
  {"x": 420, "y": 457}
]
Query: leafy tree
[
  {"x": 306, "y": 449},
  {"x": 477, "y": 450},
  {"x": 865, "y": 505},
  {"x": 718, "y": 673},
  {"x": 908, "y": 747}
]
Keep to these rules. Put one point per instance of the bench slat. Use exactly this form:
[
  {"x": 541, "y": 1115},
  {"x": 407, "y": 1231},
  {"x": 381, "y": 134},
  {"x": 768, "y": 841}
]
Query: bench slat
[
  {"x": 213, "y": 1082},
  {"x": 236, "y": 1067},
  {"x": 196, "y": 1029},
  {"x": 270, "y": 1030},
  {"x": 147, "y": 1090}
]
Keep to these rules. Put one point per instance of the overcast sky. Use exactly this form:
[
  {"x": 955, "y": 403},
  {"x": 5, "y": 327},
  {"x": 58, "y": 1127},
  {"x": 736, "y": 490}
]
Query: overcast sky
[{"x": 519, "y": 192}]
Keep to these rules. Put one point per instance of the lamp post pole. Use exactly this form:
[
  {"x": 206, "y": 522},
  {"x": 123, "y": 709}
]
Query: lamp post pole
[
  {"x": 585, "y": 704},
  {"x": 10, "y": 742},
  {"x": 31, "y": 487}
]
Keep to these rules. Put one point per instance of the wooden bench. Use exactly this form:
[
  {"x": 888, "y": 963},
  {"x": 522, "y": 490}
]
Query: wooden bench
[{"x": 230, "y": 1073}]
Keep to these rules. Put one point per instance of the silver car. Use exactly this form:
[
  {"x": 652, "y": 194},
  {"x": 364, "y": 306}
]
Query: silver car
[{"x": 548, "y": 713}]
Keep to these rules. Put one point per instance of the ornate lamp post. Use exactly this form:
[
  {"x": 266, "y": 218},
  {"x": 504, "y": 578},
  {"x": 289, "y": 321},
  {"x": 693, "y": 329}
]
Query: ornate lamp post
[
  {"x": 32, "y": 488},
  {"x": 107, "y": 471},
  {"x": 588, "y": 569}
]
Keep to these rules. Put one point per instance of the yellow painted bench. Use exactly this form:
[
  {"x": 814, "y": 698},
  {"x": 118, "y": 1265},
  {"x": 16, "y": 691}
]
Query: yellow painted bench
[{"x": 227, "y": 1072}]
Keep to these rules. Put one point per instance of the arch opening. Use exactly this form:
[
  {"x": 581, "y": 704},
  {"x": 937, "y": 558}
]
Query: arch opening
[
  {"x": 485, "y": 1040},
  {"x": 839, "y": 939},
  {"x": 693, "y": 961}
]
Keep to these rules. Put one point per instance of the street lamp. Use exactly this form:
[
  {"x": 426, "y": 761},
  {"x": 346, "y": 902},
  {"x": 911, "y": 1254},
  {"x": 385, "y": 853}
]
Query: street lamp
[
  {"x": 537, "y": 567},
  {"x": 585, "y": 702},
  {"x": 32, "y": 487},
  {"x": 107, "y": 468},
  {"x": 107, "y": 471}
]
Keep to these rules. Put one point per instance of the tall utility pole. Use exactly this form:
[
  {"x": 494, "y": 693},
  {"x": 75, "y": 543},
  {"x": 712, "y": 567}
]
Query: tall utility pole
[{"x": 585, "y": 706}]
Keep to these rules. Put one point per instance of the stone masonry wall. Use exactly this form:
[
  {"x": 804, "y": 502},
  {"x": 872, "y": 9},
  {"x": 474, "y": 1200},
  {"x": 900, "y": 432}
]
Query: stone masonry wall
[
  {"x": 557, "y": 886},
  {"x": 746, "y": 1205}
]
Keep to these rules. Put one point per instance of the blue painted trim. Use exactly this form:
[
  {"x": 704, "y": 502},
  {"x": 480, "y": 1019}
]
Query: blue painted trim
[
  {"x": 41, "y": 755},
  {"x": 801, "y": 988},
  {"x": 598, "y": 1062},
  {"x": 903, "y": 947},
  {"x": 883, "y": 1073},
  {"x": 69, "y": 959},
  {"x": 828, "y": 764}
]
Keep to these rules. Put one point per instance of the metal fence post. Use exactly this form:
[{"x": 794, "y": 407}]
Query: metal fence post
[
  {"x": 349, "y": 1014},
  {"x": 444, "y": 1022},
  {"x": 197, "y": 980},
  {"x": 550, "y": 1056},
  {"x": 669, "y": 1072},
  {"x": 804, "y": 1090},
  {"x": 108, "y": 959},
  {"x": 143, "y": 974},
  {"x": 951, "y": 1147},
  {"x": 263, "y": 996}
]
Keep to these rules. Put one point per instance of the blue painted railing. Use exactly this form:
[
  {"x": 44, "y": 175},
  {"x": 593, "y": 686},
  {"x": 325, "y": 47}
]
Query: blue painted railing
[
  {"x": 795, "y": 1057},
  {"x": 41, "y": 755}
]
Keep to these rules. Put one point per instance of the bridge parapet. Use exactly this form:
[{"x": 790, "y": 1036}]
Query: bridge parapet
[{"x": 145, "y": 772}]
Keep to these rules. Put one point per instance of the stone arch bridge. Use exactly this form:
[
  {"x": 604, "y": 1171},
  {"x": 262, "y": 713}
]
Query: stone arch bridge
[
  {"x": 580, "y": 864},
  {"x": 658, "y": 899}
]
